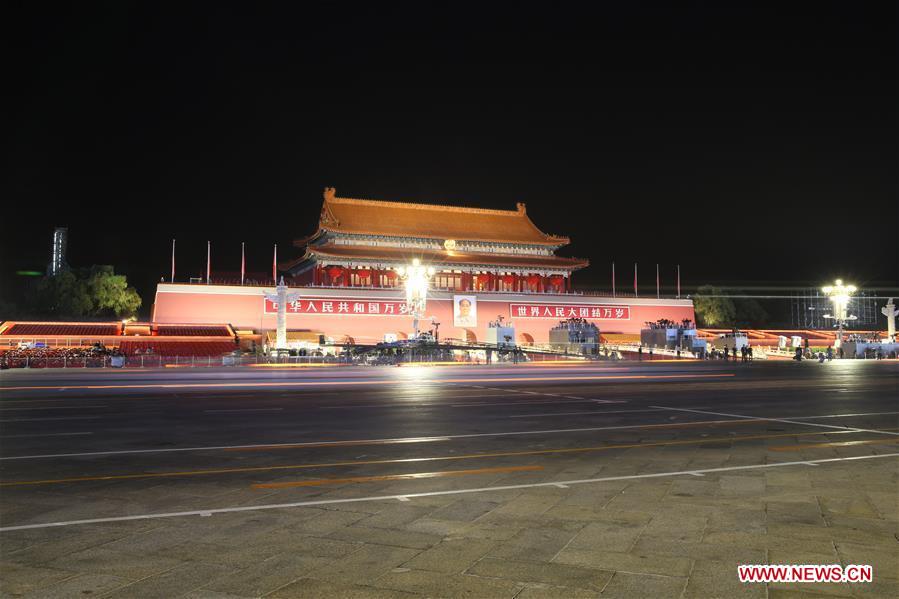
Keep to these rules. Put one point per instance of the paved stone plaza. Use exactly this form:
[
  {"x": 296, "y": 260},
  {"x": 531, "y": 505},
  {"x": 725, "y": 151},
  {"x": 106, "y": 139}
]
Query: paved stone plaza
[{"x": 355, "y": 458}]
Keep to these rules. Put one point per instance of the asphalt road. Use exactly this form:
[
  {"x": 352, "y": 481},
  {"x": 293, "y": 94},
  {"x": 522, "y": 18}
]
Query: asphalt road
[{"x": 552, "y": 480}]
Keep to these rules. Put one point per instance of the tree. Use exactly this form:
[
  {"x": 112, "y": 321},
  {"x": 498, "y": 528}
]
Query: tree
[
  {"x": 110, "y": 292},
  {"x": 97, "y": 291},
  {"x": 712, "y": 308}
]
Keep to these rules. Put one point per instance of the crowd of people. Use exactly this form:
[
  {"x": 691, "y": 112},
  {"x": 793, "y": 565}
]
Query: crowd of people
[
  {"x": 664, "y": 323},
  {"x": 574, "y": 323},
  {"x": 22, "y": 356}
]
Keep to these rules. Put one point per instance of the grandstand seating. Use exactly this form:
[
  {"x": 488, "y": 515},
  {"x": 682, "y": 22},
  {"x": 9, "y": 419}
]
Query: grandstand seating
[
  {"x": 189, "y": 331},
  {"x": 21, "y": 329},
  {"x": 177, "y": 348}
]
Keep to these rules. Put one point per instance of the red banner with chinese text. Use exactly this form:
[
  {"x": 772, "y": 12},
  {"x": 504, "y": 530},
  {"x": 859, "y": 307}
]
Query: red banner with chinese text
[
  {"x": 569, "y": 311},
  {"x": 344, "y": 307}
]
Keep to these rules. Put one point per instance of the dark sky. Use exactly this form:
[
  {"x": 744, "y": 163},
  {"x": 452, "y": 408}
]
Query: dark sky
[{"x": 753, "y": 144}]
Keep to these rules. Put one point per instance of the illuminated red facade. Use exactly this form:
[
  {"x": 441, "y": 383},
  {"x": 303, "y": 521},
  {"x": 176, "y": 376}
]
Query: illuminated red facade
[{"x": 487, "y": 263}]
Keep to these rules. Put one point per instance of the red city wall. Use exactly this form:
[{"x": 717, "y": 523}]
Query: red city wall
[{"x": 243, "y": 308}]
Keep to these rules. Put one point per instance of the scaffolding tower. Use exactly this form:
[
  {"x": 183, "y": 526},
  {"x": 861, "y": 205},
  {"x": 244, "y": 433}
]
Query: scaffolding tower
[{"x": 808, "y": 310}]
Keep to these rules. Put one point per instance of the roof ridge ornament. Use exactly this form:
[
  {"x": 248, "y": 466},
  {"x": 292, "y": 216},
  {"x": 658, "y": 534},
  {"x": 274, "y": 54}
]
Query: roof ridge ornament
[{"x": 327, "y": 217}]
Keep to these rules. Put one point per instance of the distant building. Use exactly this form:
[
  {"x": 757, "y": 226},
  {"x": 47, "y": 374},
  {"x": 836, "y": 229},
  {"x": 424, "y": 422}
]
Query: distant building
[{"x": 58, "y": 253}]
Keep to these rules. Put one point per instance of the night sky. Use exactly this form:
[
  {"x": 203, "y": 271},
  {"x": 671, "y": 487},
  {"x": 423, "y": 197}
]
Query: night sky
[{"x": 755, "y": 146}]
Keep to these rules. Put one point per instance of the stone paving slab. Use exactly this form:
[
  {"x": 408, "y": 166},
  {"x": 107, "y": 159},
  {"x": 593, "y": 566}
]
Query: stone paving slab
[
  {"x": 80, "y": 586},
  {"x": 364, "y": 565},
  {"x": 451, "y": 556},
  {"x": 173, "y": 583},
  {"x": 557, "y": 575},
  {"x": 627, "y": 584},
  {"x": 433, "y": 584},
  {"x": 18, "y": 579}
]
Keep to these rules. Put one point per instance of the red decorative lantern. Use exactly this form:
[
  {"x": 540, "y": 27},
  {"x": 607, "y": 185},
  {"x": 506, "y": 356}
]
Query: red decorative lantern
[
  {"x": 391, "y": 275},
  {"x": 335, "y": 271},
  {"x": 508, "y": 279},
  {"x": 482, "y": 279},
  {"x": 363, "y": 273}
]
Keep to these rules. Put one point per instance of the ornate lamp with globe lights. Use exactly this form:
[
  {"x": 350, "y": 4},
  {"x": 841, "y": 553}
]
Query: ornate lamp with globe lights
[
  {"x": 416, "y": 279},
  {"x": 840, "y": 295}
]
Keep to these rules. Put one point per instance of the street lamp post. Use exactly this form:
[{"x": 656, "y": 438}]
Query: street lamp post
[
  {"x": 839, "y": 294},
  {"x": 416, "y": 279}
]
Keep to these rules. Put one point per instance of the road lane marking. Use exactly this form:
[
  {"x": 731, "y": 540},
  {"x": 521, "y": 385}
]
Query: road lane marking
[
  {"x": 532, "y": 402},
  {"x": 350, "y": 442},
  {"x": 843, "y": 415},
  {"x": 387, "y": 441},
  {"x": 800, "y": 447},
  {"x": 476, "y": 456},
  {"x": 4, "y": 410},
  {"x": 339, "y": 444},
  {"x": 409, "y": 496},
  {"x": 389, "y": 477},
  {"x": 243, "y": 410},
  {"x": 506, "y": 379},
  {"x": 47, "y": 435},
  {"x": 592, "y": 412},
  {"x": 9, "y": 420},
  {"x": 791, "y": 420}
]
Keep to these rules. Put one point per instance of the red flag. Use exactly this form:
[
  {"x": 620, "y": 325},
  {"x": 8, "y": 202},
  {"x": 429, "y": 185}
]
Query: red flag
[{"x": 243, "y": 262}]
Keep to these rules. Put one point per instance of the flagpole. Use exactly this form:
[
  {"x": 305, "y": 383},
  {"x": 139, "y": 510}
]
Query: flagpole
[
  {"x": 657, "y": 282},
  {"x": 635, "y": 280},
  {"x": 613, "y": 279},
  {"x": 208, "y": 260},
  {"x": 678, "y": 281},
  {"x": 173, "y": 261},
  {"x": 243, "y": 262},
  {"x": 275, "y": 265}
]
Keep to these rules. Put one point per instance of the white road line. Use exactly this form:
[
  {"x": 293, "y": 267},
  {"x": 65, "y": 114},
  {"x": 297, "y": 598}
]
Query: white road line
[
  {"x": 518, "y": 403},
  {"x": 355, "y": 441},
  {"x": 4, "y": 410},
  {"x": 46, "y": 435},
  {"x": 243, "y": 410},
  {"x": 791, "y": 420},
  {"x": 580, "y": 413},
  {"x": 49, "y": 419},
  {"x": 418, "y": 400},
  {"x": 842, "y": 415},
  {"x": 409, "y": 496}
]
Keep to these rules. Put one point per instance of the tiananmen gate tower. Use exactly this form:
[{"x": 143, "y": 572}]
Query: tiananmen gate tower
[{"x": 487, "y": 264}]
